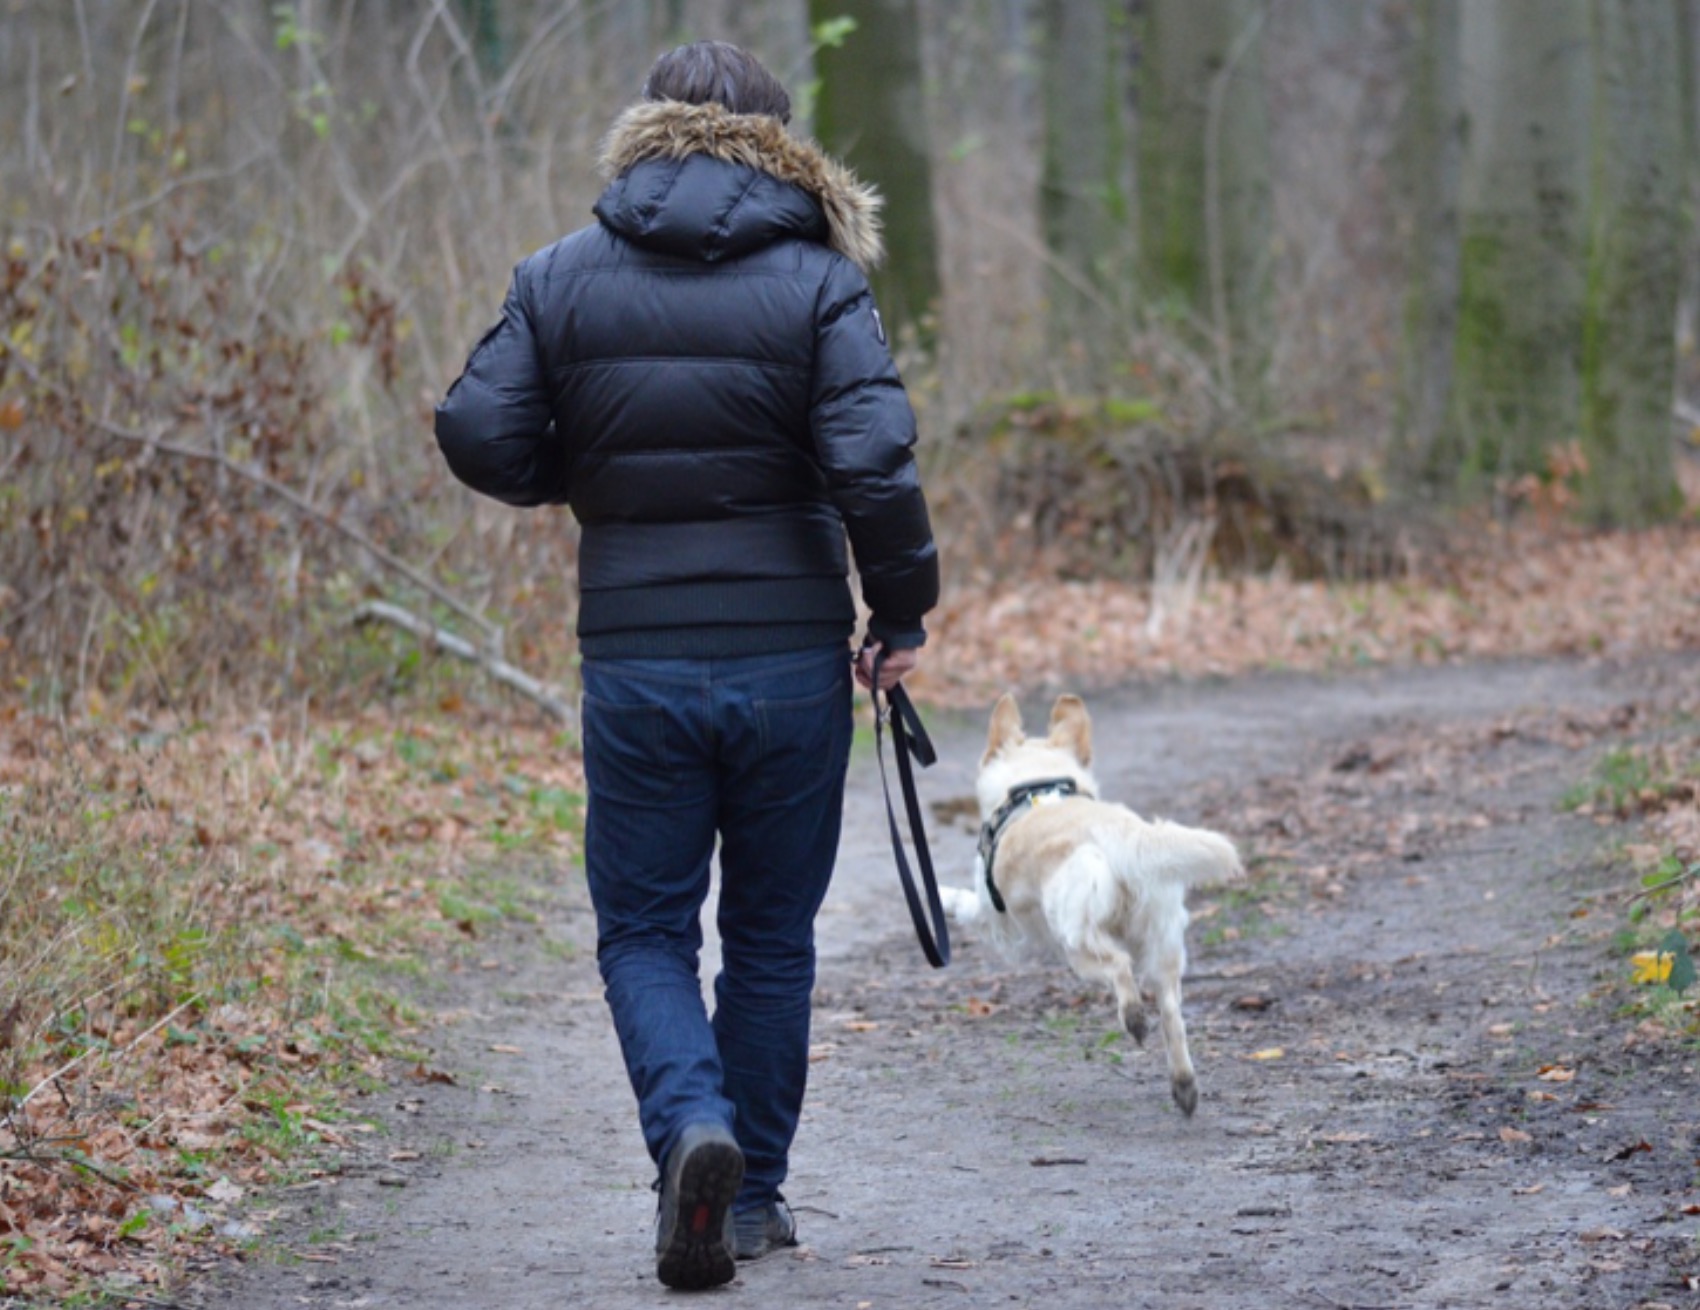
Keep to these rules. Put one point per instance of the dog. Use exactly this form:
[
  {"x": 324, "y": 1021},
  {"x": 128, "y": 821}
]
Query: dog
[{"x": 1107, "y": 888}]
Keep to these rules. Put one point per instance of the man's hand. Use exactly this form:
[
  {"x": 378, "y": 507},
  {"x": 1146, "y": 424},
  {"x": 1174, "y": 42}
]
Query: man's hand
[{"x": 898, "y": 665}]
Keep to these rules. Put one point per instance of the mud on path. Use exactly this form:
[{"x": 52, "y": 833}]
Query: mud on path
[{"x": 1371, "y": 1019}]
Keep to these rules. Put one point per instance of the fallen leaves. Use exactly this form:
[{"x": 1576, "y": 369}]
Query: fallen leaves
[
  {"x": 230, "y": 858},
  {"x": 1650, "y": 967},
  {"x": 1521, "y": 592}
]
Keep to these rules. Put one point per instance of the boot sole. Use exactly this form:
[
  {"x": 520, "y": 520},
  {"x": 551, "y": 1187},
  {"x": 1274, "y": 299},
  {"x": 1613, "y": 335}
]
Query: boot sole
[{"x": 694, "y": 1253}]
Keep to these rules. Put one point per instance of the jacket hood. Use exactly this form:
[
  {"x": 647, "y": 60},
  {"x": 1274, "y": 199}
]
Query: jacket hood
[{"x": 721, "y": 212}]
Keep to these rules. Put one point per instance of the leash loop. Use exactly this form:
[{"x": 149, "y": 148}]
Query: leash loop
[{"x": 909, "y": 738}]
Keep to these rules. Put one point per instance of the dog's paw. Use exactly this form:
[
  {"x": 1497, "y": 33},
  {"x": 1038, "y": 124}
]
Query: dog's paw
[{"x": 1185, "y": 1090}]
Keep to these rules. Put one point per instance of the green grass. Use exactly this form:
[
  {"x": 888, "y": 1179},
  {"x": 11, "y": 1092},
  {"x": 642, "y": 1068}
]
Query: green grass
[
  {"x": 1242, "y": 910},
  {"x": 1617, "y": 781}
]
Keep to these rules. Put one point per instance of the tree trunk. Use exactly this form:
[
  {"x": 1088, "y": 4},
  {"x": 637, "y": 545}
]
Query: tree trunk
[
  {"x": 1431, "y": 150},
  {"x": 626, "y": 38},
  {"x": 1204, "y": 185},
  {"x": 1634, "y": 264},
  {"x": 871, "y": 113},
  {"x": 1082, "y": 187},
  {"x": 1527, "y": 89},
  {"x": 1688, "y": 310},
  {"x": 484, "y": 31}
]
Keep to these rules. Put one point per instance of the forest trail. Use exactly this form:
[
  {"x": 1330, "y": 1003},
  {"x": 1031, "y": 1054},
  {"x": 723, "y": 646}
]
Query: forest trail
[{"x": 1410, "y": 1096}]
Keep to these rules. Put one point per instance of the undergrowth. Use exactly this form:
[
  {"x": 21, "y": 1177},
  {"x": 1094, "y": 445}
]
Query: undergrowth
[
  {"x": 209, "y": 938},
  {"x": 1652, "y": 787}
]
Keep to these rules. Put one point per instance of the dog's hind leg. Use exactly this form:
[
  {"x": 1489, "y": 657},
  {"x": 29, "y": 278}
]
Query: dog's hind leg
[
  {"x": 1100, "y": 960},
  {"x": 1078, "y": 903},
  {"x": 1133, "y": 1018},
  {"x": 1183, "y": 1083}
]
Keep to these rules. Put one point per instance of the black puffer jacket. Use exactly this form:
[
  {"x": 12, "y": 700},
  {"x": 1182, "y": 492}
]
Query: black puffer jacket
[{"x": 703, "y": 378}]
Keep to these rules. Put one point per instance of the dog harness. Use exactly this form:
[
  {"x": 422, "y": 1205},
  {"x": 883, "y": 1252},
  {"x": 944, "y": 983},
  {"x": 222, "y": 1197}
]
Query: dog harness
[{"x": 1018, "y": 802}]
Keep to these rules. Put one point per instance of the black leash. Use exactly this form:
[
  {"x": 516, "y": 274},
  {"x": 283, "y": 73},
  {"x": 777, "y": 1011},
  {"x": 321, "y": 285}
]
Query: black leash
[{"x": 908, "y": 738}]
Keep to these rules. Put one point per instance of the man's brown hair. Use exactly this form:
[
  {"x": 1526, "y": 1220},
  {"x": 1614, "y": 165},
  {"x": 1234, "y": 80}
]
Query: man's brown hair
[{"x": 717, "y": 72}]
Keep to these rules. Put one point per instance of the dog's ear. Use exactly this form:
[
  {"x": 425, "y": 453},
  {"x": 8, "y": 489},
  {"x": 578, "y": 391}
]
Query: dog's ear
[
  {"x": 1006, "y": 726},
  {"x": 1071, "y": 728}
]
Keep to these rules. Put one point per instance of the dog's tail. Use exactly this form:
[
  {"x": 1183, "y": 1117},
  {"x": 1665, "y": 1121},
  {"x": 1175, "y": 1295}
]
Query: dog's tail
[{"x": 1193, "y": 857}]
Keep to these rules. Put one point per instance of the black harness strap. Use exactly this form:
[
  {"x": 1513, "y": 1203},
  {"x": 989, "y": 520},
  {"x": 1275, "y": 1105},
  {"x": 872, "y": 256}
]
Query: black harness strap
[
  {"x": 908, "y": 738},
  {"x": 1019, "y": 800}
]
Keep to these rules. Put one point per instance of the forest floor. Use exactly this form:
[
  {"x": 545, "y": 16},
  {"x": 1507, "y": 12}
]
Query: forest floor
[
  {"x": 1426, "y": 1078},
  {"x": 298, "y": 1006}
]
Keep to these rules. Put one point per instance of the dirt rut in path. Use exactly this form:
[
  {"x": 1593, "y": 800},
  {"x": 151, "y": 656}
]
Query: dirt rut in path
[{"x": 1411, "y": 1097}]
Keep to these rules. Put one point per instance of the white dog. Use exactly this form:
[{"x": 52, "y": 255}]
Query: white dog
[{"x": 1102, "y": 884}]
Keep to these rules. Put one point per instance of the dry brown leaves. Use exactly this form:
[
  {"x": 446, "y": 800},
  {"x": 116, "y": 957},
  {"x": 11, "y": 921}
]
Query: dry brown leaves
[
  {"x": 1523, "y": 593},
  {"x": 137, "y": 1104}
]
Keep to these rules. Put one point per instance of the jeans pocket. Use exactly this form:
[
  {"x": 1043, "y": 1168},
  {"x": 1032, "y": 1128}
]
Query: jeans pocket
[
  {"x": 804, "y": 740},
  {"x": 626, "y": 757}
]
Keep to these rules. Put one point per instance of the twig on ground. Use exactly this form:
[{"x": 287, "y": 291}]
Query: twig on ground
[
  {"x": 53, "y": 1078},
  {"x": 1343, "y": 1305},
  {"x": 1692, "y": 871},
  {"x": 1177, "y": 571}
]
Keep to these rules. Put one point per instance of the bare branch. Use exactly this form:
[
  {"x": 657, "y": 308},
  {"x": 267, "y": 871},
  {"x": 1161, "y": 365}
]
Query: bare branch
[
  {"x": 60, "y": 1072},
  {"x": 153, "y": 443},
  {"x": 537, "y": 692}
]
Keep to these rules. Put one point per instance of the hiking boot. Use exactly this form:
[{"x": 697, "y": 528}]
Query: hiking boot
[
  {"x": 763, "y": 1230},
  {"x": 693, "y": 1231}
]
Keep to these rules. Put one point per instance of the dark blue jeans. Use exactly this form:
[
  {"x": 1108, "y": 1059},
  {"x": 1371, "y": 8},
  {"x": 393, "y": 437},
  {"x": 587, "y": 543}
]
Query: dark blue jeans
[{"x": 677, "y": 752}]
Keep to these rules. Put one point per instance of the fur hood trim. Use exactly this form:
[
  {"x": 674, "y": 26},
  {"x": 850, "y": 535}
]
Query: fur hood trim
[{"x": 670, "y": 129}]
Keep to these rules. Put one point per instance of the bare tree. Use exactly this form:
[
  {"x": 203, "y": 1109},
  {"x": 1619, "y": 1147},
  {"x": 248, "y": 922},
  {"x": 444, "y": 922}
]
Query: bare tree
[
  {"x": 1083, "y": 185},
  {"x": 871, "y": 111},
  {"x": 1432, "y": 155},
  {"x": 1688, "y": 56},
  {"x": 1204, "y": 179},
  {"x": 1634, "y": 264},
  {"x": 1527, "y": 87}
]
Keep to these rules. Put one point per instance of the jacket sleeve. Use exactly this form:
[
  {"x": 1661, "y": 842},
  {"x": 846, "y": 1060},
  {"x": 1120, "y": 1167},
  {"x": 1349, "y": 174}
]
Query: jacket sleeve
[
  {"x": 494, "y": 427},
  {"x": 864, "y": 436}
]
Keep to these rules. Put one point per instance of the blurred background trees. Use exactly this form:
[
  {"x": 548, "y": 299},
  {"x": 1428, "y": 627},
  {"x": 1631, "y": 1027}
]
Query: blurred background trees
[
  {"x": 870, "y": 110},
  {"x": 1320, "y": 264}
]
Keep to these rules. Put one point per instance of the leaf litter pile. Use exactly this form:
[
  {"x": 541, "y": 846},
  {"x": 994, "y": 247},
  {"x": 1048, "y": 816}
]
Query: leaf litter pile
[
  {"x": 204, "y": 926},
  {"x": 1517, "y": 594},
  {"x": 196, "y": 926}
]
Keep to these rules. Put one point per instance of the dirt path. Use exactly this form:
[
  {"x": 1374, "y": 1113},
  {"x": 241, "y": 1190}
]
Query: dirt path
[{"x": 1371, "y": 1022}]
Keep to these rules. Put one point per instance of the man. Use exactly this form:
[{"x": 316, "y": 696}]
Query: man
[{"x": 703, "y": 377}]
